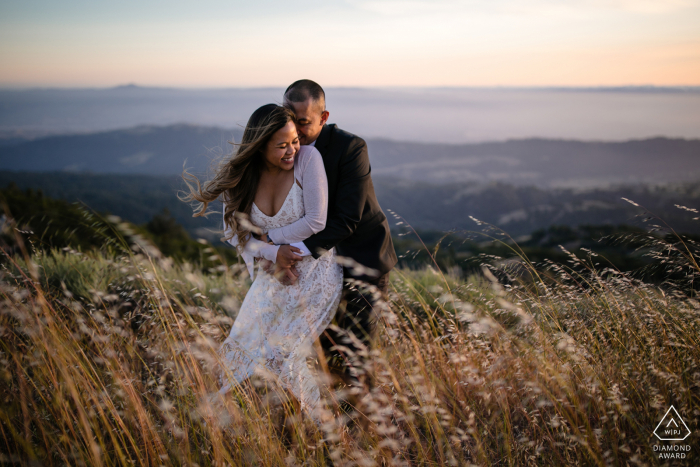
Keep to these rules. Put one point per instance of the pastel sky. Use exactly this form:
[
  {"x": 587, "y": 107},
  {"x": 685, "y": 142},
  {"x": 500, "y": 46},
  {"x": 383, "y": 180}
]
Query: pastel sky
[{"x": 256, "y": 43}]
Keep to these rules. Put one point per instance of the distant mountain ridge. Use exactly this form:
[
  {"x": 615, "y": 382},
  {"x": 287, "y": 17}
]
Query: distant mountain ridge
[{"x": 164, "y": 150}]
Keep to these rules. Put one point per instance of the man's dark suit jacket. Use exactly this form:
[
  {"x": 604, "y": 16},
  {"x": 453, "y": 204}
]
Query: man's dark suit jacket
[{"x": 356, "y": 225}]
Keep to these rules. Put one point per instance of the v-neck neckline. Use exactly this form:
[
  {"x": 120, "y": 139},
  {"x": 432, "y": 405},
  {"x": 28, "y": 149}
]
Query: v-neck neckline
[
  {"x": 281, "y": 207},
  {"x": 294, "y": 182}
]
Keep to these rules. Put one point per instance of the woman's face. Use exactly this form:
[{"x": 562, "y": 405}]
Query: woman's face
[{"x": 282, "y": 148}]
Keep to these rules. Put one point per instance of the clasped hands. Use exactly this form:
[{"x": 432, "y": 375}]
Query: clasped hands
[{"x": 284, "y": 268}]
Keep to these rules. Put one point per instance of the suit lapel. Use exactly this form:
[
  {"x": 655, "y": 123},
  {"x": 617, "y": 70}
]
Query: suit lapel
[
  {"x": 323, "y": 145},
  {"x": 323, "y": 140}
]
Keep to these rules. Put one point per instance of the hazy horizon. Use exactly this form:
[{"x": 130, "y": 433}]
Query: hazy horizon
[{"x": 544, "y": 87}]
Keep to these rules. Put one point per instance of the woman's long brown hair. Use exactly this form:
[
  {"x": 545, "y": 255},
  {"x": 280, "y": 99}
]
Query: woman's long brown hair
[{"x": 236, "y": 179}]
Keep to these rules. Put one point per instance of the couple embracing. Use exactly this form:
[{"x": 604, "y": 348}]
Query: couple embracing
[{"x": 299, "y": 201}]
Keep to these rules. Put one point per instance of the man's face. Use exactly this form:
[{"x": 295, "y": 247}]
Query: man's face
[{"x": 310, "y": 119}]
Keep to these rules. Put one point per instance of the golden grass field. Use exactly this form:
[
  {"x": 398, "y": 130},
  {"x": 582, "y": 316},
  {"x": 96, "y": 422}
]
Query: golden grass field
[{"x": 108, "y": 359}]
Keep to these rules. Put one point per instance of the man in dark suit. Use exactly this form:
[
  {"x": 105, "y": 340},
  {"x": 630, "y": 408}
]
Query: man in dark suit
[{"x": 356, "y": 225}]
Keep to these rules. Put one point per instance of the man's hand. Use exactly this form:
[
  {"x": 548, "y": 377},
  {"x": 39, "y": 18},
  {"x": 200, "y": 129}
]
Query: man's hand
[
  {"x": 286, "y": 276},
  {"x": 287, "y": 256}
]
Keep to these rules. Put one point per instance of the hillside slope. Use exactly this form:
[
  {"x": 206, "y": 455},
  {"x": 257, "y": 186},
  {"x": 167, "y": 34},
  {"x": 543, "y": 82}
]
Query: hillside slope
[{"x": 517, "y": 209}]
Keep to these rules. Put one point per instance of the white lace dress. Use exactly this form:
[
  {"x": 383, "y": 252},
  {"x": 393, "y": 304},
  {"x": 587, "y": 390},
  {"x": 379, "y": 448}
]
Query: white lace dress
[{"x": 276, "y": 326}]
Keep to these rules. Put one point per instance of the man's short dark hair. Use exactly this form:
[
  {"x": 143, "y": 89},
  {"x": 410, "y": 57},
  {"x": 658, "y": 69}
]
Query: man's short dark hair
[{"x": 302, "y": 90}]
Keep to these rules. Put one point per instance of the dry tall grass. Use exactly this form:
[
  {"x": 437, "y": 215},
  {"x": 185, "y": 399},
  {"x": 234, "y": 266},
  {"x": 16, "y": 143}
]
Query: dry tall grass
[{"x": 109, "y": 362}]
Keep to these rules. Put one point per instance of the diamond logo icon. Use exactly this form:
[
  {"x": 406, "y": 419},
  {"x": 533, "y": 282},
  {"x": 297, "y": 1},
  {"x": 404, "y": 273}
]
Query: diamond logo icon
[{"x": 672, "y": 427}]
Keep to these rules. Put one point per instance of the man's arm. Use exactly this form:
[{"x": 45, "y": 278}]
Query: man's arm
[{"x": 345, "y": 215}]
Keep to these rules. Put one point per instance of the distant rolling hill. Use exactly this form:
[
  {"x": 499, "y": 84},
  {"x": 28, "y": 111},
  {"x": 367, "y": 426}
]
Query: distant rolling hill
[
  {"x": 520, "y": 185},
  {"x": 163, "y": 150},
  {"x": 144, "y": 150}
]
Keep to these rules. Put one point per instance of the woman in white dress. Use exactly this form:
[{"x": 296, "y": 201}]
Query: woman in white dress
[{"x": 276, "y": 185}]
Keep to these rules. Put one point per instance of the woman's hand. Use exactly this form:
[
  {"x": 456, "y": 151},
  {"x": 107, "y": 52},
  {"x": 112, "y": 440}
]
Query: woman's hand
[{"x": 287, "y": 256}]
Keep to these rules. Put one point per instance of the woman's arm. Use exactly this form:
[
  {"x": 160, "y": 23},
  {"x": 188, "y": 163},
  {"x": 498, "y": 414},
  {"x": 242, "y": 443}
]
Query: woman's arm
[{"x": 315, "y": 192}]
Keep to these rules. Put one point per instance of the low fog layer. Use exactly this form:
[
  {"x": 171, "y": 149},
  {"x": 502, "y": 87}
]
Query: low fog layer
[{"x": 448, "y": 115}]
